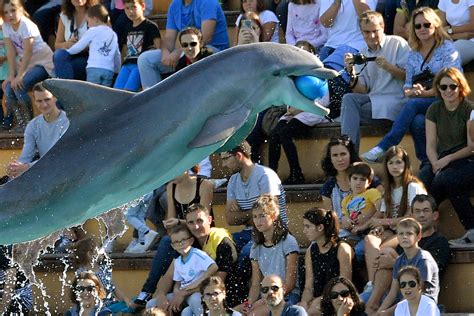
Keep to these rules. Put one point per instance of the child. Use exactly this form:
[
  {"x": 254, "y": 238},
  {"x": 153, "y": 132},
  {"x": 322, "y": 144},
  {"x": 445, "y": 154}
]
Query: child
[
  {"x": 141, "y": 36},
  {"x": 360, "y": 205},
  {"x": 268, "y": 20},
  {"x": 30, "y": 60},
  {"x": 409, "y": 234},
  {"x": 303, "y": 23},
  {"x": 326, "y": 258},
  {"x": 104, "y": 55},
  {"x": 274, "y": 251}
]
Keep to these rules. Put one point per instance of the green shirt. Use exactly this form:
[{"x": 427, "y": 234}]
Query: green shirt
[{"x": 450, "y": 126}]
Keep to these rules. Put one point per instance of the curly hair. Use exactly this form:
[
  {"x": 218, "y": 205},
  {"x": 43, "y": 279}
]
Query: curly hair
[{"x": 269, "y": 205}]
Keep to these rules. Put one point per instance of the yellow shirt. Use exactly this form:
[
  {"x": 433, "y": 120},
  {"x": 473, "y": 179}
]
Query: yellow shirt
[{"x": 352, "y": 205}]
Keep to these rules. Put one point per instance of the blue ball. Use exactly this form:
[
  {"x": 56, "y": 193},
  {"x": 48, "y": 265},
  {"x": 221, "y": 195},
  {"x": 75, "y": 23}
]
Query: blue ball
[{"x": 312, "y": 87}]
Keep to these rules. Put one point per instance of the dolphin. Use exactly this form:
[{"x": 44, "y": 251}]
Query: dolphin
[{"x": 121, "y": 145}]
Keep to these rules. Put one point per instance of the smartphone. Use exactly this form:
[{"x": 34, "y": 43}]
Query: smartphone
[{"x": 247, "y": 24}]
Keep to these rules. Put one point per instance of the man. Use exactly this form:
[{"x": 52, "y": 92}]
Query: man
[
  {"x": 378, "y": 85},
  {"x": 206, "y": 15},
  {"x": 41, "y": 133},
  {"x": 216, "y": 242},
  {"x": 273, "y": 292},
  {"x": 425, "y": 211}
]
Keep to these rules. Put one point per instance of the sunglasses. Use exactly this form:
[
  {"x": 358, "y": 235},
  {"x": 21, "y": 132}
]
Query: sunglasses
[
  {"x": 343, "y": 293},
  {"x": 451, "y": 87},
  {"x": 192, "y": 44},
  {"x": 425, "y": 25},
  {"x": 88, "y": 288},
  {"x": 265, "y": 289},
  {"x": 343, "y": 139},
  {"x": 410, "y": 284}
]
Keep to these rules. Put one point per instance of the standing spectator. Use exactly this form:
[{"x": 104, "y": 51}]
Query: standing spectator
[
  {"x": 273, "y": 293},
  {"x": 72, "y": 26},
  {"x": 304, "y": 25},
  {"x": 268, "y": 20},
  {"x": 340, "y": 298},
  {"x": 378, "y": 86},
  {"x": 431, "y": 51},
  {"x": 142, "y": 35},
  {"x": 205, "y": 15},
  {"x": 459, "y": 24},
  {"x": 29, "y": 61},
  {"x": 450, "y": 150},
  {"x": 404, "y": 10},
  {"x": 101, "y": 41}
]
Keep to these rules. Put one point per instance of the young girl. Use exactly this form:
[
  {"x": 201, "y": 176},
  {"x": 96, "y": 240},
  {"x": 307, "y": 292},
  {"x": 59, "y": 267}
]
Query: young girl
[
  {"x": 303, "y": 23},
  {"x": 29, "y": 60},
  {"x": 104, "y": 55},
  {"x": 268, "y": 20},
  {"x": 213, "y": 295},
  {"x": 401, "y": 187},
  {"x": 274, "y": 251},
  {"x": 327, "y": 257}
]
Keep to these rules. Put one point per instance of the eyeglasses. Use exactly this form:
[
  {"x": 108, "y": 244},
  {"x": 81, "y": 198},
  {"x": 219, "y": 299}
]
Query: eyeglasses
[
  {"x": 452, "y": 87},
  {"x": 410, "y": 284},
  {"x": 343, "y": 293},
  {"x": 88, "y": 288},
  {"x": 273, "y": 288},
  {"x": 180, "y": 242},
  {"x": 425, "y": 25},
  {"x": 192, "y": 44},
  {"x": 212, "y": 295}
]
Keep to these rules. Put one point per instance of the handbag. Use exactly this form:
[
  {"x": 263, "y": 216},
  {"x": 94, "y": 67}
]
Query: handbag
[
  {"x": 271, "y": 118},
  {"x": 426, "y": 76}
]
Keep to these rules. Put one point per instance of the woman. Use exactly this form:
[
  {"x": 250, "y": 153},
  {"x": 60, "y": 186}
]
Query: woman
[
  {"x": 87, "y": 294},
  {"x": 458, "y": 21},
  {"x": 340, "y": 298},
  {"x": 190, "y": 40},
  {"x": 340, "y": 154},
  {"x": 71, "y": 26},
  {"x": 213, "y": 295},
  {"x": 268, "y": 19},
  {"x": 431, "y": 51},
  {"x": 414, "y": 303},
  {"x": 249, "y": 29},
  {"x": 450, "y": 149}
]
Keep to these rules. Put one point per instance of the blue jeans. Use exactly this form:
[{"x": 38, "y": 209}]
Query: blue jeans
[
  {"x": 411, "y": 116},
  {"x": 161, "y": 261},
  {"x": 128, "y": 78},
  {"x": 70, "y": 66},
  {"x": 151, "y": 68},
  {"x": 243, "y": 242},
  {"x": 100, "y": 76},
  {"x": 32, "y": 76}
]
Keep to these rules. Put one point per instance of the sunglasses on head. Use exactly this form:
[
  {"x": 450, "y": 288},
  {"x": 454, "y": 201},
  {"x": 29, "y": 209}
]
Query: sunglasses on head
[
  {"x": 343, "y": 293},
  {"x": 451, "y": 87},
  {"x": 425, "y": 25},
  {"x": 343, "y": 139},
  {"x": 88, "y": 288},
  {"x": 410, "y": 284},
  {"x": 186, "y": 44},
  {"x": 265, "y": 289}
]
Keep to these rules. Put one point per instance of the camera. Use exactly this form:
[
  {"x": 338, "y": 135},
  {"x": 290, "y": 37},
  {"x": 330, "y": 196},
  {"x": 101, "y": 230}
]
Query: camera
[{"x": 359, "y": 59}]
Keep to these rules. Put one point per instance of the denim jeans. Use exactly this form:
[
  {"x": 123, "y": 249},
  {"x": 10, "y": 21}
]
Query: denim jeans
[
  {"x": 32, "y": 76},
  {"x": 69, "y": 66},
  {"x": 411, "y": 116},
  {"x": 136, "y": 216},
  {"x": 100, "y": 76},
  {"x": 128, "y": 78},
  {"x": 243, "y": 242},
  {"x": 151, "y": 68}
]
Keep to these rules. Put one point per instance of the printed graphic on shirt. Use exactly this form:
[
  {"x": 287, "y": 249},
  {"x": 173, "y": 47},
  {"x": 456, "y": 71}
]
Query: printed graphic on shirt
[
  {"x": 355, "y": 207},
  {"x": 134, "y": 43},
  {"x": 105, "y": 49}
]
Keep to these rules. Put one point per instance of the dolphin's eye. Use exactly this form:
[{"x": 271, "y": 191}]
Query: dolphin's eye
[{"x": 277, "y": 73}]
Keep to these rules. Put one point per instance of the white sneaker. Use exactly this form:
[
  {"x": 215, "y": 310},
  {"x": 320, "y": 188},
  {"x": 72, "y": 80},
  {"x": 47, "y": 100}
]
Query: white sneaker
[
  {"x": 218, "y": 182},
  {"x": 466, "y": 241},
  {"x": 138, "y": 248},
  {"x": 374, "y": 155},
  {"x": 131, "y": 245},
  {"x": 150, "y": 239}
]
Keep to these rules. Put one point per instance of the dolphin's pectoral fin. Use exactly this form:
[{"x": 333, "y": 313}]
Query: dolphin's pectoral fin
[
  {"x": 78, "y": 97},
  {"x": 220, "y": 127}
]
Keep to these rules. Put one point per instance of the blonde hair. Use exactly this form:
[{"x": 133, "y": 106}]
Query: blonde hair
[{"x": 429, "y": 14}]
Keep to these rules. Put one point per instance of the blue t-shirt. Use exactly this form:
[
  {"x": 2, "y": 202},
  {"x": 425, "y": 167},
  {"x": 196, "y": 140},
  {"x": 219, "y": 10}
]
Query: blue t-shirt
[
  {"x": 181, "y": 16},
  {"x": 429, "y": 272}
]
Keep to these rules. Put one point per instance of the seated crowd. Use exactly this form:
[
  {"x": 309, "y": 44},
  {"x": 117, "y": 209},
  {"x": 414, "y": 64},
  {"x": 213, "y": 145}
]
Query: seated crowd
[{"x": 381, "y": 234}]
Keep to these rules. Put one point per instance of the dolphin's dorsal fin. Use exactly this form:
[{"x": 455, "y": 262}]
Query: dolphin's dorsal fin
[
  {"x": 77, "y": 96},
  {"x": 220, "y": 127}
]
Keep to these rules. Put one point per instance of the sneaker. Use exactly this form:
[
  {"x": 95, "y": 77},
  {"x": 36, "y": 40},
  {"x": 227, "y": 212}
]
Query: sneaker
[
  {"x": 142, "y": 299},
  {"x": 369, "y": 287},
  {"x": 374, "y": 155},
  {"x": 466, "y": 241},
  {"x": 150, "y": 239},
  {"x": 131, "y": 245},
  {"x": 137, "y": 248},
  {"x": 218, "y": 182}
]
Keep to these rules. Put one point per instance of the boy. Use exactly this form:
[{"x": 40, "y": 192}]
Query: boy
[
  {"x": 360, "y": 205},
  {"x": 141, "y": 36},
  {"x": 409, "y": 233},
  {"x": 189, "y": 270}
]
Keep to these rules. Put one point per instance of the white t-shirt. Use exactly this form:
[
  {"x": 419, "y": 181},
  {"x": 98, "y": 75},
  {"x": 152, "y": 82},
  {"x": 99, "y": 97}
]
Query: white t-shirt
[
  {"x": 427, "y": 307},
  {"x": 103, "y": 48},
  {"x": 456, "y": 13},
  {"x": 195, "y": 265},
  {"x": 345, "y": 30},
  {"x": 266, "y": 16},
  {"x": 81, "y": 30},
  {"x": 472, "y": 116},
  {"x": 413, "y": 189}
]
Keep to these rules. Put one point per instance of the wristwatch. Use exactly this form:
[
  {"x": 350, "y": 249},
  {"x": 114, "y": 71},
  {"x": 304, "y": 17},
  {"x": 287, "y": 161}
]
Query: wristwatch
[{"x": 450, "y": 30}]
